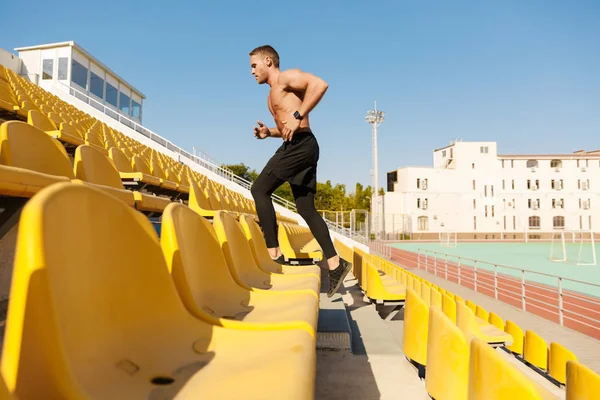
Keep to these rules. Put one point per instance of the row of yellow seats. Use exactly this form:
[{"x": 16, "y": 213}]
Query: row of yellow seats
[
  {"x": 154, "y": 172},
  {"x": 101, "y": 308},
  {"x": 474, "y": 323},
  {"x": 380, "y": 280},
  {"x": 298, "y": 242}
]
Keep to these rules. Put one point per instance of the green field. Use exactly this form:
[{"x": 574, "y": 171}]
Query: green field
[{"x": 533, "y": 256}]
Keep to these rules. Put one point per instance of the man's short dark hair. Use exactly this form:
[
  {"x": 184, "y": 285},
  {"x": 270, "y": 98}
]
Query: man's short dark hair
[{"x": 267, "y": 50}]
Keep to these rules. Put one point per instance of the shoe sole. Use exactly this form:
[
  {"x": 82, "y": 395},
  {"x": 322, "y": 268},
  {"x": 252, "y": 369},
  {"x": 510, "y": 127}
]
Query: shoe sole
[{"x": 337, "y": 287}]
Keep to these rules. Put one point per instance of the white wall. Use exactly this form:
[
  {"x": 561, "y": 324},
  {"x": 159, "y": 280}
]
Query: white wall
[
  {"x": 10, "y": 61},
  {"x": 450, "y": 194}
]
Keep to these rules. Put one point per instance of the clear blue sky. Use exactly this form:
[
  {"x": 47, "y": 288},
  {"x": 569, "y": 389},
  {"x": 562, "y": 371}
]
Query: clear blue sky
[{"x": 523, "y": 73}]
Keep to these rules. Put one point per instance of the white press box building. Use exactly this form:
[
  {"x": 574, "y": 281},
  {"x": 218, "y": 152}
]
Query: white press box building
[{"x": 477, "y": 193}]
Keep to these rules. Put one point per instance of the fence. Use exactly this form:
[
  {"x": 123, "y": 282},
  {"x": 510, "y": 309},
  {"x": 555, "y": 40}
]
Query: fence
[{"x": 569, "y": 302}]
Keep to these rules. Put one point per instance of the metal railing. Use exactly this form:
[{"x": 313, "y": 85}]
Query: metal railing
[
  {"x": 566, "y": 301},
  {"x": 197, "y": 157}
]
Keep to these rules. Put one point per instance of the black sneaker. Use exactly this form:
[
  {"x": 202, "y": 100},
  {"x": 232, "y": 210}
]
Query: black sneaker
[
  {"x": 336, "y": 276},
  {"x": 279, "y": 260}
]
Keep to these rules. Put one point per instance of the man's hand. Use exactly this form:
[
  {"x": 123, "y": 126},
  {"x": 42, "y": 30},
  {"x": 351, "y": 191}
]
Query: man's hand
[
  {"x": 291, "y": 127},
  {"x": 261, "y": 131}
]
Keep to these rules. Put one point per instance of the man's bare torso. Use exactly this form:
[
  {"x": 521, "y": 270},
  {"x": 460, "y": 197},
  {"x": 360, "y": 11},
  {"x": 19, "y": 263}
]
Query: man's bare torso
[{"x": 283, "y": 103}]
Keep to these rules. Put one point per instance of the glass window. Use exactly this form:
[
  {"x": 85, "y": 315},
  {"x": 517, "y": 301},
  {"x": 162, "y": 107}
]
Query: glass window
[
  {"x": 136, "y": 109},
  {"x": 79, "y": 74},
  {"x": 96, "y": 85},
  {"x": 534, "y": 222},
  {"x": 423, "y": 223},
  {"x": 124, "y": 105},
  {"x": 558, "y": 222},
  {"x": 63, "y": 68},
  {"x": 47, "y": 67},
  {"x": 111, "y": 94}
]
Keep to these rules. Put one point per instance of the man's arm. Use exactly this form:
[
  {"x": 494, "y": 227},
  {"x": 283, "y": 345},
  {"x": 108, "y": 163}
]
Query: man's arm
[
  {"x": 313, "y": 86},
  {"x": 274, "y": 132}
]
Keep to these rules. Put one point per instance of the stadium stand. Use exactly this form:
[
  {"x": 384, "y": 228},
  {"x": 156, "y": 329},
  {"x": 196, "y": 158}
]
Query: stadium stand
[{"x": 104, "y": 305}]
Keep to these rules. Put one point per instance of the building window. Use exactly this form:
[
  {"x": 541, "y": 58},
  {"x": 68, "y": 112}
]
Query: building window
[
  {"x": 577, "y": 163},
  {"x": 111, "y": 94},
  {"x": 418, "y": 183},
  {"x": 502, "y": 163},
  {"x": 483, "y": 149},
  {"x": 451, "y": 152},
  {"x": 124, "y": 105},
  {"x": 96, "y": 85},
  {"x": 79, "y": 74},
  {"x": 63, "y": 68},
  {"x": 528, "y": 183},
  {"x": 534, "y": 222},
  {"x": 505, "y": 222},
  {"x": 492, "y": 190},
  {"x": 590, "y": 222},
  {"x": 556, "y": 164},
  {"x": 532, "y": 163},
  {"x": 473, "y": 166},
  {"x": 418, "y": 203},
  {"x": 513, "y": 184},
  {"x": 423, "y": 223},
  {"x": 514, "y": 222},
  {"x": 136, "y": 110},
  {"x": 47, "y": 69},
  {"x": 512, "y": 163},
  {"x": 503, "y": 185},
  {"x": 485, "y": 191},
  {"x": 486, "y": 211},
  {"x": 558, "y": 222},
  {"x": 443, "y": 153},
  {"x": 474, "y": 204},
  {"x": 473, "y": 184},
  {"x": 475, "y": 223},
  {"x": 493, "y": 214}
]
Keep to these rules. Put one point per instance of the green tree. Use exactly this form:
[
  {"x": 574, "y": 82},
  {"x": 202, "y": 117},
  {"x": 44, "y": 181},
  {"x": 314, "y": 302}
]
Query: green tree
[{"x": 243, "y": 171}]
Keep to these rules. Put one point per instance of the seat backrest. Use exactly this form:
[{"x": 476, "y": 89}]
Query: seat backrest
[
  {"x": 25, "y": 146},
  {"x": 582, "y": 382},
  {"x": 120, "y": 160},
  {"x": 447, "y": 358},
  {"x": 40, "y": 121},
  {"x": 256, "y": 239},
  {"x": 94, "y": 167},
  {"x": 198, "y": 200},
  {"x": 90, "y": 282},
  {"x": 235, "y": 247},
  {"x": 491, "y": 377},
  {"x": 196, "y": 262}
]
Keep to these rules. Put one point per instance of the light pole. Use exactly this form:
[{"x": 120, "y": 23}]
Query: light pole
[{"x": 375, "y": 118}]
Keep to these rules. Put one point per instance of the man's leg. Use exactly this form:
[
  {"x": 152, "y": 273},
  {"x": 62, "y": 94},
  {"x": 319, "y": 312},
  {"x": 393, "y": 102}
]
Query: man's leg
[
  {"x": 262, "y": 189},
  {"x": 305, "y": 204}
]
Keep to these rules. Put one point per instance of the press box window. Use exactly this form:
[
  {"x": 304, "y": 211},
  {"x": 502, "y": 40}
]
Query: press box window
[
  {"x": 79, "y": 74},
  {"x": 47, "y": 67},
  {"x": 96, "y": 85},
  {"x": 63, "y": 68}
]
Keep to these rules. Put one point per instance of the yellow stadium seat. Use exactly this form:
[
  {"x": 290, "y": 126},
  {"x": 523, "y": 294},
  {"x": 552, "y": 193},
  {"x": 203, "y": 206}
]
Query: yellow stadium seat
[
  {"x": 582, "y": 382},
  {"x": 447, "y": 358},
  {"x": 416, "y": 321},
  {"x": 517, "y": 334},
  {"x": 496, "y": 321},
  {"x": 491, "y": 377},
  {"x": 129, "y": 176},
  {"x": 535, "y": 350},
  {"x": 30, "y": 160},
  {"x": 557, "y": 362},
  {"x": 298, "y": 243},
  {"x": 382, "y": 291},
  {"x": 94, "y": 313},
  {"x": 207, "y": 288},
  {"x": 467, "y": 322},
  {"x": 92, "y": 166},
  {"x": 449, "y": 307},
  {"x": 258, "y": 246},
  {"x": 243, "y": 267}
]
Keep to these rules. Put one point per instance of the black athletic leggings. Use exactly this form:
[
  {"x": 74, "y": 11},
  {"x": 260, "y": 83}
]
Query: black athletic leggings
[{"x": 262, "y": 189}]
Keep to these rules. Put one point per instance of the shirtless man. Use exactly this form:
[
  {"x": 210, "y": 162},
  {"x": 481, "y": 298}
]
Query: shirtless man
[{"x": 293, "y": 95}]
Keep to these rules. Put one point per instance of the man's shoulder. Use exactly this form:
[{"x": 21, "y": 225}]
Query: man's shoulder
[{"x": 289, "y": 74}]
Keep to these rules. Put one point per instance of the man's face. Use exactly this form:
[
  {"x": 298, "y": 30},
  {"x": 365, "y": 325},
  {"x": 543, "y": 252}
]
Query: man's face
[{"x": 259, "y": 68}]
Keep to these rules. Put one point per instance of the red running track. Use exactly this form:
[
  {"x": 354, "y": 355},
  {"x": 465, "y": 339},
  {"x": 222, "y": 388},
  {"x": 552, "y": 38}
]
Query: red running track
[{"x": 580, "y": 312}]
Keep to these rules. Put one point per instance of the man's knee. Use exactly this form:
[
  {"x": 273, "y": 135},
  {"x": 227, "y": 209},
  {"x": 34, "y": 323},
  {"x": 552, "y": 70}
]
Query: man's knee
[{"x": 306, "y": 209}]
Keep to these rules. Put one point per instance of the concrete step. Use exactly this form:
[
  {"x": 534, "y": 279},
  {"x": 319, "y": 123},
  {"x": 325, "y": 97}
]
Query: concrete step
[{"x": 333, "y": 332}]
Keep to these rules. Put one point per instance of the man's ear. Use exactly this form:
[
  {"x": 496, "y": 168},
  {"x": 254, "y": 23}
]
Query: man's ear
[{"x": 268, "y": 61}]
